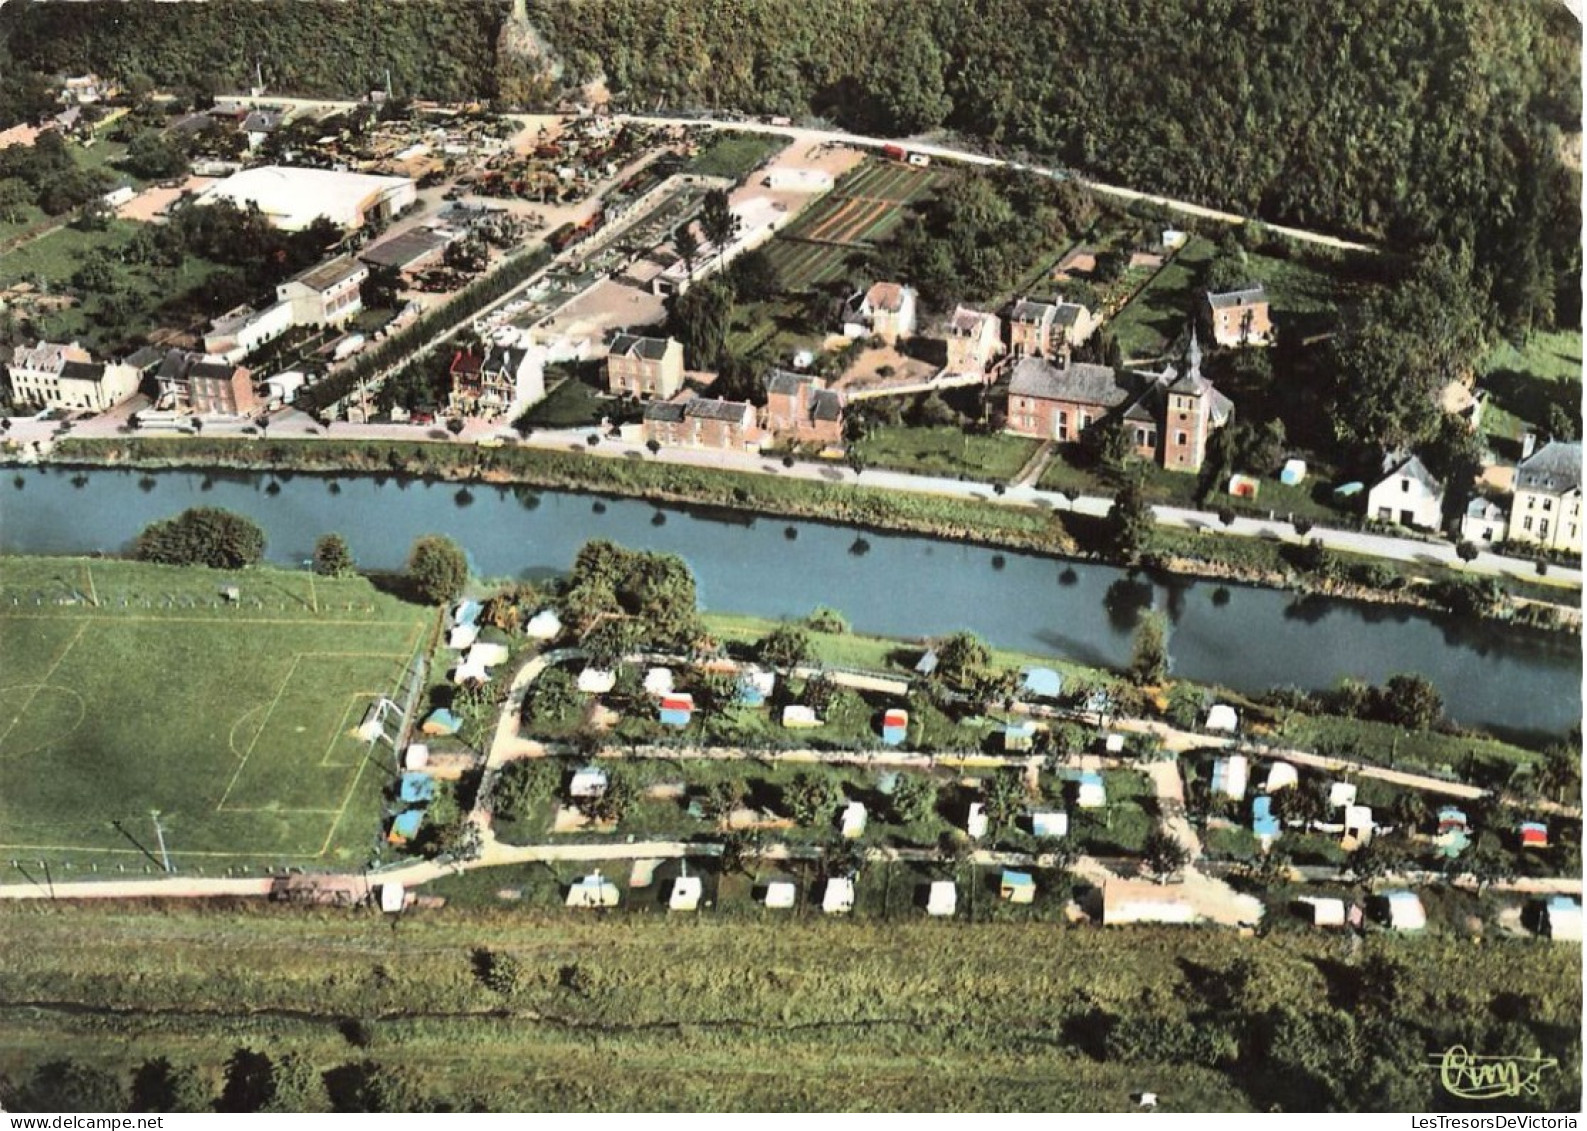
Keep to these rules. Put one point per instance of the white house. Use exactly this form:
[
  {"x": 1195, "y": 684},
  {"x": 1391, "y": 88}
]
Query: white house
[
  {"x": 1223, "y": 717},
  {"x": 975, "y": 823},
  {"x": 242, "y": 330},
  {"x": 1404, "y": 911},
  {"x": 887, "y": 310},
  {"x": 393, "y": 898},
  {"x": 594, "y": 890},
  {"x": 1407, "y": 494},
  {"x": 1049, "y": 823},
  {"x": 283, "y": 388},
  {"x": 1322, "y": 912},
  {"x": 1484, "y": 522}
]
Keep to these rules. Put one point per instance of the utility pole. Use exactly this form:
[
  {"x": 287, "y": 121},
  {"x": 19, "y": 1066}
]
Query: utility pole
[{"x": 159, "y": 835}]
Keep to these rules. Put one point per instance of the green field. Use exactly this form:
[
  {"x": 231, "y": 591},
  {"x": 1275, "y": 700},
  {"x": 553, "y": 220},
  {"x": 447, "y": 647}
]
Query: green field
[
  {"x": 1526, "y": 382},
  {"x": 952, "y": 452},
  {"x": 232, "y": 720},
  {"x": 1165, "y": 306},
  {"x": 766, "y": 1010},
  {"x": 733, "y": 155}
]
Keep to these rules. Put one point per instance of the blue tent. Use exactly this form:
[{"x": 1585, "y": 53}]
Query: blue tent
[
  {"x": 442, "y": 721},
  {"x": 1044, "y": 683},
  {"x": 467, "y": 612},
  {"x": 406, "y": 825},
  {"x": 1263, "y": 823},
  {"x": 417, "y": 788},
  {"x": 673, "y": 717}
]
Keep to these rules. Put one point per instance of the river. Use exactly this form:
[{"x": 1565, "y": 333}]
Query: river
[{"x": 1511, "y": 680}]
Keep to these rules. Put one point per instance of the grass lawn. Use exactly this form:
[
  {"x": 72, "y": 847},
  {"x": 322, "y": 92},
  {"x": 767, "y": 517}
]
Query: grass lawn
[
  {"x": 572, "y": 404},
  {"x": 949, "y": 452},
  {"x": 1156, "y": 315},
  {"x": 734, "y": 155},
  {"x": 1525, "y": 383},
  {"x": 232, "y": 720}
]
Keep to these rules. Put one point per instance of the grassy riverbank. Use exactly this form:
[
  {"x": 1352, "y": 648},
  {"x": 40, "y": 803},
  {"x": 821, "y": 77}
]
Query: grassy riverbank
[
  {"x": 840, "y": 500},
  {"x": 775, "y": 1010}
]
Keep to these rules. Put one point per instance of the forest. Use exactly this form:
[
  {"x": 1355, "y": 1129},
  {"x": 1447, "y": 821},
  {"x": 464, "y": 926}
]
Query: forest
[{"x": 1408, "y": 123}]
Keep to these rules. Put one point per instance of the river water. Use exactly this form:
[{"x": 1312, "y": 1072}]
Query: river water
[{"x": 1512, "y": 680}]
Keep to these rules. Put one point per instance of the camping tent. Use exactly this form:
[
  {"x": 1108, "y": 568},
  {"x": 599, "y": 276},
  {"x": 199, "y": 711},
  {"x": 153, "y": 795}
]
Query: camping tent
[
  {"x": 1359, "y": 823},
  {"x": 797, "y": 716},
  {"x": 754, "y": 686},
  {"x": 588, "y": 781},
  {"x": 488, "y": 655},
  {"x": 1403, "y": 911},
  {"x": 544, "y": 625},
  {"x": 1341, "y": 794},
  {"x": 417, "y": 788},
  {"x": 462, "y": 637},
  {"x": 1321, "y": 911},
  {"x": 1561, "y": 919},
  {"x": 1229, "y": 777},
  {"x": 1293, "y": 473},
  {"x": 685, "y": 895},
  {"x": 405, "y": 826},
  {"x": 596, "y": 681},
  {"x": 1263, "y": 823},
  {"x": 1091, "y": 793},
  {"x": 594, "y": 890},
  {"x": 676, "y": 709},
  {"x": 838, "y": 896},
  {"x": 975, "y": 823},
  {"x": 895, "y": 726},
  {"x": 1534, "y": 834},
  {"x": 1040, "y": 683},
  {"x": 441, "y": 722},
  {"x": 466, "y": 612},
  {"x": 853, "y": 820},
  {"x": 1281, "y": 775},
  {"x": 942, "y": 899},
  {"x": 393, "y": 898},
  {"x": 1017, "y": 887},
  {"x": 1222, "y": 717},
  {"x": 658, "y": 681},
  {"x": 1049, "y": 824}
]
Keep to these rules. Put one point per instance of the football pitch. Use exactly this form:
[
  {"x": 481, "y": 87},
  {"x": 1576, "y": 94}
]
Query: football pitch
[{"x": 128, "y": 690}]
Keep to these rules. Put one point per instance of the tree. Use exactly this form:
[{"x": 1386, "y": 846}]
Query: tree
[
  {"x": 551, "y": 696},
  {"x": 1110, "y": 444},
  {"x": 811, "y": 798},
  {"x": 1466, "y": 550},
  {"x": 333, "y": 558},
  {"x": 1411, "y": 701},
  {"x": 687, "y": 245},
  {"x": 154, "y": 158},
  {"x": 524, "y": 783},
  {"x": 701, "y": 318},
  {"x": 68, "y": 1085},
  {"x": 206, "y": 536},
  {"x": 616, "y": 801},
  {"x": 1163, "y": 854},
  {"x": 784, "y": 648},
  {"x": 160, "y": 1086},
  {"x": 1128, "y": 526},
  {"x": 907, "y": 83},
  {"x": 914, "y": 798},
  {"x": 962, "y": 658},
  {"x": 383, "y": 287},
  {"x": 437, "y": 569},
  {"x": 250, "y": 1082},
  {"x": 1005, "y": 796},
  {"x": 754, "y": 276},
  {"x": 1149, "y": 651},
  {"x": 14, "y": 197},
  {"x": 718, "y": 221},
  {"x": 299, "y": 1086},
  {"x": 724, "y": 798}
]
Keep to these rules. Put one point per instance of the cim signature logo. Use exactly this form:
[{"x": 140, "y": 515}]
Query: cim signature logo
[{"x": 1471, "y": 1077}]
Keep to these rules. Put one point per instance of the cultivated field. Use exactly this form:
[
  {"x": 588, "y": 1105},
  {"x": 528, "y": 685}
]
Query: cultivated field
[
  {"x": 864, "y": 208},
  {"x": 126, "y": 688}
]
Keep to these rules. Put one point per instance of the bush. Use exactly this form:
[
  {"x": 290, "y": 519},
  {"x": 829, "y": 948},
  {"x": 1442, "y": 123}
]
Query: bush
[
  {"x": 828, "y": 620},
  {"x": 206, "y": 536}
]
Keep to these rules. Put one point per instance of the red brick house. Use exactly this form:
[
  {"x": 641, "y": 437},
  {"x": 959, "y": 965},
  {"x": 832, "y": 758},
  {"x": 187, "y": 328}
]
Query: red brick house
[
  {"x": 191, "y": 382},
  {"x": 703, "y": 422},
  {"x": 800, "y": 409},
  {"x": 1169, "y": 416},
  {"x": 1240, "y": 318}
]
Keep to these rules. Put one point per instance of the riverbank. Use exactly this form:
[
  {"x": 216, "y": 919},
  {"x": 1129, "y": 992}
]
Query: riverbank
[{"x": 837, "y": 497}]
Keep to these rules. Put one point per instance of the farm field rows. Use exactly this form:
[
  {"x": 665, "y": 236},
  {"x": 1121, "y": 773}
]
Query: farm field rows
[
  {"x": 232, "y": 719},
  {"x": 865, "y": 207}
]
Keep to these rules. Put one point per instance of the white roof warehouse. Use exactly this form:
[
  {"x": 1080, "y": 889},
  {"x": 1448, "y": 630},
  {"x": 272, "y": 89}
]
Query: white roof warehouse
[{"x": 294, "y": 198}]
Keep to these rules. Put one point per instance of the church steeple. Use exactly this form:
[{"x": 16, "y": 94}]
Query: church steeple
[{"x": 1195, "y": 356}]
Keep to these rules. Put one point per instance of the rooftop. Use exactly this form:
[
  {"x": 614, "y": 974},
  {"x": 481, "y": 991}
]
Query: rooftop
[
  {"x": 1245, "y": 296},
  {"x": 632, "y": 345},
  {"x": 400, "y": 250},
  {"x": 1554, "y": 468},
  {"x": 331, "y": 273},
  {"x": 712, "y": 409},
  {"x": 1080, "y": 382}
]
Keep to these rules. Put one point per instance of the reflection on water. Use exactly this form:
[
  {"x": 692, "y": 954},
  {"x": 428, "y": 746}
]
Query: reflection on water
[{"x": 1246, "y": 638}]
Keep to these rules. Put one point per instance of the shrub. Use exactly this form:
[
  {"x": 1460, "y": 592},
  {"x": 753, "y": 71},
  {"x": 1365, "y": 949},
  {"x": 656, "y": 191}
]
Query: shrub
[{"x": 206, "y": 536}]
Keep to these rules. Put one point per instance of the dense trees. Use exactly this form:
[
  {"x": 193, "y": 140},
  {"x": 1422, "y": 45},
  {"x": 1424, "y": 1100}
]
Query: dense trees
[
  {"x": 205, "y": 536},
  {"x": 437, "y": 569},
  {"x": 656, "y": 591}
]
